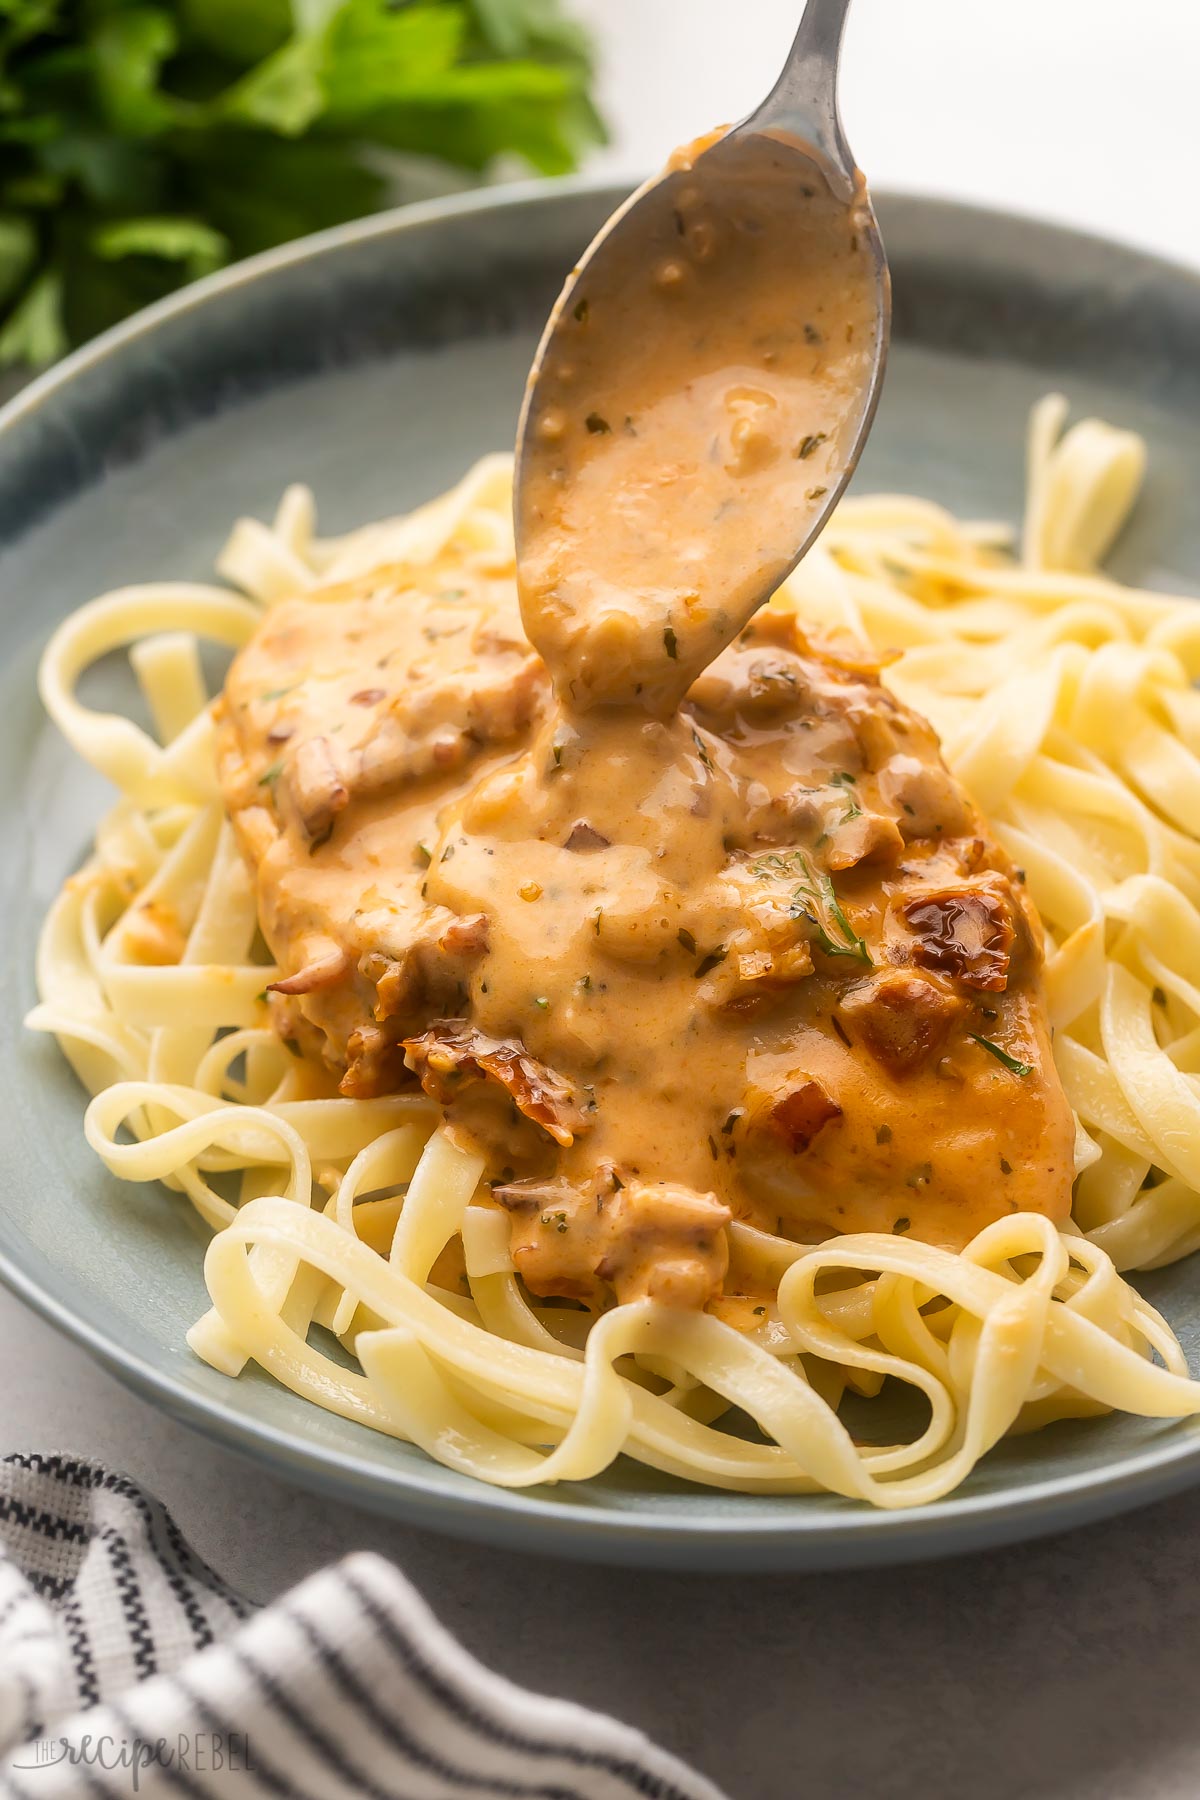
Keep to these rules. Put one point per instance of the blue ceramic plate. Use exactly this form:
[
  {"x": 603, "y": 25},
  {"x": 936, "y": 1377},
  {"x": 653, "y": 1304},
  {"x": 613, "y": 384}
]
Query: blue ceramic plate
[{"x": 376, "y": 362}]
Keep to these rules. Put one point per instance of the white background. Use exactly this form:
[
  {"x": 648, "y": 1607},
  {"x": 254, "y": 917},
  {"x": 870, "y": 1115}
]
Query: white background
[{"x": 1081, "y": 111}]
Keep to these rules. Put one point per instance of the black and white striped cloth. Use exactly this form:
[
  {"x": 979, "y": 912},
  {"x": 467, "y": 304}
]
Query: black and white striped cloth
[{"x": 128, "y": 1666}]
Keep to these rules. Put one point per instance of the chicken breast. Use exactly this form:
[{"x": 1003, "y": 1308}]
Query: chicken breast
[{"x": 760, "y": 960}]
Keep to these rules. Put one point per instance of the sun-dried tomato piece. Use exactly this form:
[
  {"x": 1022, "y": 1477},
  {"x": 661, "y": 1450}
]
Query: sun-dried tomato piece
[
  {"x": 802, "y": 1112},
  {"x": 451, "y": 1051},
  {"x": 963, "y": 932},
  {"x": 901, "y": 1018}
]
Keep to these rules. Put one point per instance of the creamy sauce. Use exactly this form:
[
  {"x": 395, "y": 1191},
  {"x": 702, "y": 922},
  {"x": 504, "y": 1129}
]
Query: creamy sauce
[
  {"x": 745, "y": 951},
  {"x": 697, "y": 404}
]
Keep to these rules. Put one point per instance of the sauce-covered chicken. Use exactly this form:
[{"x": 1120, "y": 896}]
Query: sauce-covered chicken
[
  {"x": 761, "y": 960},
  {"x": 670, "y": 957}
]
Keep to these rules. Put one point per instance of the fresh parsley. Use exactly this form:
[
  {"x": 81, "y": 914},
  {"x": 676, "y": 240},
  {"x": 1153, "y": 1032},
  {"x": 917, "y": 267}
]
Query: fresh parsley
[
  {"x": 1011, "y": 1063},
  {"x": 144, "y": 145},
  {"x": 814, "y": 898}
]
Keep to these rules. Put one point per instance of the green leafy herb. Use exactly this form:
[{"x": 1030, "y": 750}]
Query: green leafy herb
[
  {"x": 711, "y": 960},
  {"x": 671, "y": 643},
  {"x": 687, "y": 940},
  {"x": 541, "y": 1000},
  {"x": 270, "y": 776},
  {"x": 144, "y": 144},
  {"x": 883, "y": 1135},
  {"x": 424, "y": 855},
  {"x": 1010, "y": 1062},
  {"x": 815, "y": 899},
  {"x": 812, "y": 442},
  {"x": 901, "y": 1226},
  {"x": 597, "y": 425},
  {"x": 851, "y": 810}
]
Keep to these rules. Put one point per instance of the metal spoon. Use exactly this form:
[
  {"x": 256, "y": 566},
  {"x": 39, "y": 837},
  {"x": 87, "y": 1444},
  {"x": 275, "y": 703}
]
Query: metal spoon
[{"x": 701, "y": 394}]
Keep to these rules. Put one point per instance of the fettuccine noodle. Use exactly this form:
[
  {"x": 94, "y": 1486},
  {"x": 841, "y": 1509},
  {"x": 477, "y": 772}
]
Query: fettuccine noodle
[{"x": 1066, "y": 705}]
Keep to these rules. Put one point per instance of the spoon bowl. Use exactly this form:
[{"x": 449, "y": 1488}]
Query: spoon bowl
[{"x": 701, "y": 394}]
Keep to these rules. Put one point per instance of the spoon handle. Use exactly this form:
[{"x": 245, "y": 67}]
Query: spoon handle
[{"x": 803, "y": 102}]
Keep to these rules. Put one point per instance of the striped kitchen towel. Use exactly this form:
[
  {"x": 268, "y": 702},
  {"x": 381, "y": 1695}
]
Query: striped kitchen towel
[{"x": 127, "y": 1666}]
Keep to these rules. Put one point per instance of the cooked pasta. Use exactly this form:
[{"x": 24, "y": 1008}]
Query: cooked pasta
[{"x": 1065, "y": 704}]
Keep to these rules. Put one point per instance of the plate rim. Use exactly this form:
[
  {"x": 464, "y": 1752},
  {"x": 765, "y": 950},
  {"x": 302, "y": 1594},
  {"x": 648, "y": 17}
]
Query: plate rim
[{"x": 519, "y": 1519}]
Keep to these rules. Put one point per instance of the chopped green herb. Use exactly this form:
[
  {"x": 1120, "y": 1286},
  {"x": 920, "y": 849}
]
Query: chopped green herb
[
  {"x": 596, "y": 425},
  {"x": 759, "y": 1311},
  {"x": 815, "y": 899},
  {"x": 812, "y": 442},
  {"x": 901, "y": 1226},
  {"x": 290, "y": 1043},
  {"x": 558, "y": 753},
  {"x": 1005, "y": 1166},
  {"x": 712, "y": 1149},
  {"x": 270, "y": 776},
  {"x": 581, "y": 310},
  {"x": 261, "y": 997},
  {"x": 701, "y": 748},
  {"x": 852, "y": 810},
  {"x": 884, "y": 1135},
  {"x": 617, "y": 1183},
  {"x": 711, "y": 960},
  {"x": 841, "y": 1030},
  {"x": 1011, "y": 1063},
  {"x": 278, "y": 693},
  {"x": 686, "y": 939},
  {"x": 672, "y": 643},
  {"x": 815, "y": 493},
  {"x": 447, "y": 853},
  {"x": 423, "y": 854},
  {"x": 541, "y": 1000},
  {"x": 557, "y": 1219},
  {"x": 1159, "y": 997},
  {"x": 732, "y": 1120}
]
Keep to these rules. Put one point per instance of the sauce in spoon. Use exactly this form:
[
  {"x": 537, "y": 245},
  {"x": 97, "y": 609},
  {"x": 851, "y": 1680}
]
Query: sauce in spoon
[{"x": 702, "y": 391}]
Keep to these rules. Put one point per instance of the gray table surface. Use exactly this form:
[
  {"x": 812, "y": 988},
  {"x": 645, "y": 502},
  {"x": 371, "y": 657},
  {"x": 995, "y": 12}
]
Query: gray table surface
[{"x": 1061, "y": 1669}]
